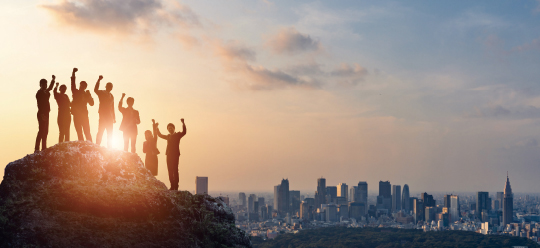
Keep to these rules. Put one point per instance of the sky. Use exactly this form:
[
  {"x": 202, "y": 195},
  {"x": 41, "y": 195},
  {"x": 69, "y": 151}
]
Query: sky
[{"x": 440, "y": 95}]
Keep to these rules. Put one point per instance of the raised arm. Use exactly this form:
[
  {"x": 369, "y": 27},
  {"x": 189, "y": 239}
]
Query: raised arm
[
  {"x": 96, "y": 88},
  {"x": 120, "y": 103},
  {"x": 159, "y": 133},
  {"x": 73, "y": 86},
  {"x": 183, "y": 126},
  {"x": 56, "y": 90},
  {"x": 52, "y": 83},
  {"x": 155, "y": 125}
]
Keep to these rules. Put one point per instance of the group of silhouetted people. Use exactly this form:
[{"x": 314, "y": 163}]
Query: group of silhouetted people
[{"x": 78, "y": 108}]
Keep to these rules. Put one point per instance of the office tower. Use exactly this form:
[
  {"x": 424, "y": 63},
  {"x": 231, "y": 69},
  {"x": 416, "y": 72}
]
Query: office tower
[
  {"x": 306, "y": 208},
  {"x": 320, "y": 194},
  {"x": 357, "y": 210},
  {"x": 362, "y": 192},
  {"x": 264, "y": 212},
  {"x": 201, "y": 185},
  {"x": 242, "y": 199},
  {"x": 418, "y": 209},
  {"x": 483, "y": 202},
  {"x": 352, "y": 194},
  {"x": 446, "y": 201},
  {"x": 331, "y": 213},
  {"x": 455, "y": 209},
  {"x": 396, "y": 198},
  {"x": 251, "y": 203},
  {"x": 343, "y": 211},
  {"x": 331, "y": 192},
  {"x": 283, "y": 198},
  {"x": 405, "y": 199},
  {"x": 430, "y": 214},
  {"x": 428, "y": 200},
  {"x": 385, "y": 190},
  {"x": 495, "y": 204},
  {"x": 500, "y": 197},
  {"x": 294, "y": 201},
  {"x": 342, "y": 190},
  {"x": 261, "y": 202},
  {"x": 508, "y": 204},
  {"x": 276, "y": 196}
]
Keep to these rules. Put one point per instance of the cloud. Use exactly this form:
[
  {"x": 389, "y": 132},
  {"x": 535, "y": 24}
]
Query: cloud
[
  {"x": 500, "y": 112},
  {"x": 533, "y": 45},
  {"x": 290, "y": 41},
  {"x": 261, "y": 78},
  {"x": 233, "y": 50},
  {"x": 126, "y": 16},
  {"x": 347, "y": 75}
]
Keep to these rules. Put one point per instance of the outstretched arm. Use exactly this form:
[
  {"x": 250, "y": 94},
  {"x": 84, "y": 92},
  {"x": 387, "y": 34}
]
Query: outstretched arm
[
  {"x": 159, "y": 133},
  {"x": 73, "y": 86},
  {"x": 120, "y": 103},
  {"x": 155, "y": 125},
  {"x": 183, "y": 127},
  {"x": 52, "y": 83},
  {"x": 56, "y": 90},
  {"x": 96, "y": 88}
]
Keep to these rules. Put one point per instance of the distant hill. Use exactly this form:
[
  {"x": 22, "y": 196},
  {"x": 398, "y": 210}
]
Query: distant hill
[
  {"x": 390, "y": 237},
  {"x": 77, "y": 194}
]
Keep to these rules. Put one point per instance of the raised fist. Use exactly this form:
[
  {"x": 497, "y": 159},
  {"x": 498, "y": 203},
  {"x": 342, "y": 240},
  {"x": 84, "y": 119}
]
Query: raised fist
[
  {"x": 75, "y": 69},
  {"x": 100, "y": 77},
  {"x": 57, "y": 84},
  {"x": 153, "y": 121},
  {"x": 123, "y": 94},
  {"x": 53, "y": 77},
  {"x": 182, "y": 120}
]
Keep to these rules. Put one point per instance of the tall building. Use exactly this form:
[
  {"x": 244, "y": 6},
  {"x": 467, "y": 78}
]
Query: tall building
[
  {"x": 294, "y": 201},
  {"x": 283, "y": 197},
  {"x": 242, "y": 199},
  {"x": 320, "y": 194},
  {"x": 428, "y": 200},
  {"x": 500, "y": 197},
  {"x": 251, "y": 203},
  {"x": 307, "y": 208},
  {"x": 508, "y": 203},
  {"x": 446, "y": 201},
  {"x": 342, "y": 190},
  {"x": 430, "y": 213},
  {"x": 331, "y": 194},
  {"x": 201, "y": 185},
  {"x": 362, "y": 193},
  {"x": 455, "y": 209},
  {"x": 405, "y": 199},
  {"x": 357, "y": 210},
  {"x": 352, "y": 194},
  {"x": 483, "y": 202},
  {"x": 276, "y": 196},
  {"x": 396, "y": 198},
  {"x": 385, "y": 194},
  {"x": 418, "y": 209},
  {"x": 261, "y": 202}
]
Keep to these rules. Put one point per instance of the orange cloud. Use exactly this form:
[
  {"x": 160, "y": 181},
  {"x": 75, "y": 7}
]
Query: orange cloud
[{"x": 290, "y": 41}]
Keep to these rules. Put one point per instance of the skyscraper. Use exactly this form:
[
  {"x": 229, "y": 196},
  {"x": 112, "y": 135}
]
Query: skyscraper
[
  {"x": 418, "y": 209},
  {"x": 385, "y": 194},
  {"x": 320, "y": 194},
  {"x": 396, "y": 198},
  {"x": 342, "y": 190},
  {"x": 201, "y": 185},
  {"x": 331, "y": 194},
  {"x": 446, "y": 201},
  {"x": 362, "y": 193},
  {"x": 294, "y": 201},
  {"x": 500, "y": 197},
  {"x": 251, "y": 203},
  {"x": 428, "y": 200},
  {"x": 352, "y": 194},
  {"x": 242, "y": 199},
  {"x": 508, "y": 203},
  {"x": 283, "y": 197},
  {"x": 455, "y": 209},
  {"x": 276, "y": 196},
  {"x": 405, "y": 199},
  {"x": 483, "y": 202}
]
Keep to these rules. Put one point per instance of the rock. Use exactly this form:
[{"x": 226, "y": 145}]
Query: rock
[{"x": 79, "y": 194}]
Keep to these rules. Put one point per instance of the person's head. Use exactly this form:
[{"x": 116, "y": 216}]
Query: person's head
[
  {"x": 108, "y": 87},
  {"x": 148, "y": 134},
  {"x": 130, "y": 101},
  {"x": 83, "y": 85},
  {"x": 170, "y": 128},
  {"x": 63, "y": 88},
  {"x": 43, "y": 83}
]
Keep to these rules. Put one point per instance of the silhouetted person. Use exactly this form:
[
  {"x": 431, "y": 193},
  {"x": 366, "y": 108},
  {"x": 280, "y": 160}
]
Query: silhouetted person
[
  {"x": 79, "y": 109},
  {"x": 173, "y": 151},
  {"x": 150, "y": 148},
  {"x": 64, "y": 112},
  {"x": 106, "y": 112},
  {"x": 44, "y": 107},
  {"x": 130, "y": 120}
]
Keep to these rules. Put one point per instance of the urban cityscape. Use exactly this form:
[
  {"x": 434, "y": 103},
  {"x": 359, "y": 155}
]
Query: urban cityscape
[{"x": 290, "y": 211}]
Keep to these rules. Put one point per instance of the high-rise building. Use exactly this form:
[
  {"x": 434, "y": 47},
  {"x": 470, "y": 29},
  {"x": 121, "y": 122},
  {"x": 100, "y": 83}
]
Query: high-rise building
[
  {"x": 294, "y": 201},
  {"x": 362, "y": 193},
  {"x": 331, "y": 194},
  {"x": 320, "y": 194},
  {"x": 357, "y": 210},
  {"x": 500, "y": 197},
  {"x": 242, "y": 199},
  {"x": 342, "y": 190},
  {"x": 483, "y": 202},
  {"x": 428, "y": 200},
  {"x": 396, "y": 198},
  {"x": 251, "y": 203},
  {"x": 352, "y": 194},
  {"x": 307, "y": 208},
  {"x": 430, "y": 213},
  {"x": 508, "y": 203},
  {"x": 418, "y": 209},
  {"x": 283, "y": 197},
  {"x": 385, "y": 192},
  {"x": 261, "y": 202},
  {"x": 331, "y": 213},
  {"x": 446, "y": 201},
  {"x": 405, "y": 199},
  {"x": 455, "y": 209},
  {"x": 276, "y": 196},
  {"x": 201, "y": 185}
]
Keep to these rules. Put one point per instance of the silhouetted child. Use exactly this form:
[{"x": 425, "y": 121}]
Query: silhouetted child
[
  {"x": 64, "y": 112},
  {"x": 150, "y": 148},
  {"x": 79, "y": 110},
  {"x": 129, "y": 123},
  {"x": 173, "y": 151},
  {"x": 44, "y": 107}
]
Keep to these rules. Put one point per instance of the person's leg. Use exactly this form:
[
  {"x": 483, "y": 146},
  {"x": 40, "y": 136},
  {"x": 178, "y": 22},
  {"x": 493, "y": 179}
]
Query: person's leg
[
  {"x": 133, "y": 141},
  {"x": 45, "y": 131},
  {"x": 126, "y": 141},
  {"x": 170, "y": 168},
  {"x": 60, "y": 122},
  {"x": 86, "y": 128},
  {"x": 67, "y": 127},
  {"x": 78, "y": 127},
  {"x": 38, "y": 136},
  {"x": 109, "y": 128},
  {"x": 175, "y": 171},
  {"x": 101, "y": 128}
]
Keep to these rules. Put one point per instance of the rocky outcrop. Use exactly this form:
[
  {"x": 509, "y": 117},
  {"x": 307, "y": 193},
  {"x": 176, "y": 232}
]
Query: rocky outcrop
[{"x": 79, "y": 194}]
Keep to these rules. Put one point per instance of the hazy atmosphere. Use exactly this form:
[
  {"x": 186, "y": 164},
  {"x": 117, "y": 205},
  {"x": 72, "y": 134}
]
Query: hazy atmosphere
[{"x": 439, "y": 96}]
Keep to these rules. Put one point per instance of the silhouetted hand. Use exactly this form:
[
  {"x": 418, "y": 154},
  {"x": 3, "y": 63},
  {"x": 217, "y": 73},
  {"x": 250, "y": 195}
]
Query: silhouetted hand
[
  {"x": 87, "y": 92},
  {"x": 153, "y": 121},
  {"x": 123, "y": 95},
  {"x": 57, "y": 85},
  {"x": 182, "y": 120},
  {"x": 53, "y": 77},
  {"x": 75, "y": 69},
  {"x": 100, "y": 77}
]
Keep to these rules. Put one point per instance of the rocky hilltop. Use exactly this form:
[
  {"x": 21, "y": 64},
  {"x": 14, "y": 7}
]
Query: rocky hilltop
[{"x": 79, "y": 194}]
